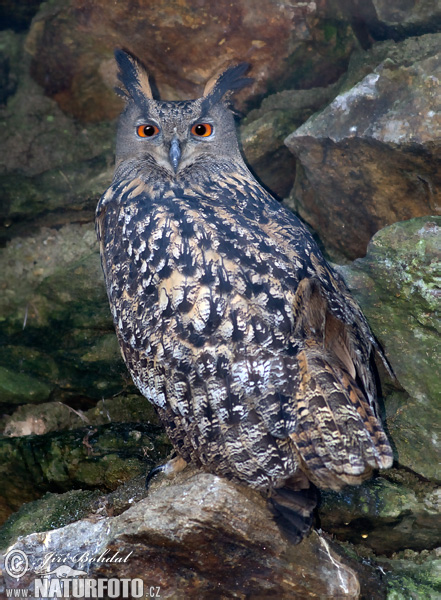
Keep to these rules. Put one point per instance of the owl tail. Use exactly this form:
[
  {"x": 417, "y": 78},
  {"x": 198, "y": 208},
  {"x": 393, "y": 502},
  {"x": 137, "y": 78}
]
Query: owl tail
[
  {"x": 338, "y": 436},
  {"x": 293, "y": 510}
]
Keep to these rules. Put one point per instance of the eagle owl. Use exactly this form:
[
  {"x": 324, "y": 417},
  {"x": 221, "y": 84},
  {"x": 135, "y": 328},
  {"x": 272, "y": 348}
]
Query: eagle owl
[{"x": 229, "y": 319}]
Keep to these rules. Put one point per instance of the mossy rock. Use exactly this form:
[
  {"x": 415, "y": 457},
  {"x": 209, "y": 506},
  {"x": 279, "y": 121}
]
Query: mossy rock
[
  {"x": 55, "y": 320},
  {"x": 18, "y": 388},
  {"x": 43, "y": 418},
  {"x": 398, "y": 285},
  {"x": 49, "y": 512},
  {"x": 101, "y": 457},
  {"x": 387, "y": 513}
]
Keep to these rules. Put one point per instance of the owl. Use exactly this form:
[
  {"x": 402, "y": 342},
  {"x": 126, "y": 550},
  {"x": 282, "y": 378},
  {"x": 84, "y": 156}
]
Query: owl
[{"x": 230, "y": 321}]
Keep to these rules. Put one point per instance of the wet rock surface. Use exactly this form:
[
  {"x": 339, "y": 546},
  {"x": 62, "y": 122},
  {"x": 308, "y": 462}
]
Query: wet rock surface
[
  {"x": 101, "y": 457},
  {"x": 58, "y": 341},
  {"x": 203, "y": 536},
  {"x": 386, "y": 514}
]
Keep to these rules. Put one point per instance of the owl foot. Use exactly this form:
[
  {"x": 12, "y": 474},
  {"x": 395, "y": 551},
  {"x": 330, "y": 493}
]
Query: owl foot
[
  {"x": 293, "y": 511},
  {"x": 172, "y": 467}
]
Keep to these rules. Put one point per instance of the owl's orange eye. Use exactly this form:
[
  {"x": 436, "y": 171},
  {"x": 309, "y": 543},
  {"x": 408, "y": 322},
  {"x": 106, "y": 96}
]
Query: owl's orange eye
[
  {"x": 148, "y": 130},
  {"x": 202, "y": 129}
]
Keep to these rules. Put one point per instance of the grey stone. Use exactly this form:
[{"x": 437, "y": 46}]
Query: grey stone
[{"x": 371, "y": 157}]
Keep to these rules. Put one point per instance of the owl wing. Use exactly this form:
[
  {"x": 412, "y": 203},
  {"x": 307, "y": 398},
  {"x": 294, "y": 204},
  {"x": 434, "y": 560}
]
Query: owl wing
[
  {"x": 338, "y": 435},
  {"x": 320, "y": 391},
  {"x": 328, "y": 400}
]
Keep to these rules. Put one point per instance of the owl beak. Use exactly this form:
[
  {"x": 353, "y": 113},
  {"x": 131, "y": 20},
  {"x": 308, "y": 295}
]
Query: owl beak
[{"x": 175, "y": 153}]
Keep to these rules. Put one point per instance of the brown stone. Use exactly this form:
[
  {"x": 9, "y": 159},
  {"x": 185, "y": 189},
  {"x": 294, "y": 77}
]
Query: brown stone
[
  {"x": 372, "y": 157},
  {"x": 183, "y": 43},
  {"x": 202, "y": 537}
]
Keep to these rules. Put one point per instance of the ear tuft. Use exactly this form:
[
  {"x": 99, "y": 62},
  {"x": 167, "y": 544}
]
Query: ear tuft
[
  {"x": 230, "y": 80},
  {"x": 133, "y": 77}
]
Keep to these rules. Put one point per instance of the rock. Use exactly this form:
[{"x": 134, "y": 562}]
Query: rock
[
  {"x": 372, "y": 156},
  {"x": 388, "y": 513},
  {"x": 200, "y": 534},
  {"x": 10, "y": 55},
  {"x": 55, "y": 318},
  {"x": 397, "y": 285},
  {"x": 17, "y": 14},
  {"x": 43, "y": 418},
  {"x": 101, "y": 457},
  {"x": 51, "y": 167},
  {"x": 413, "y": 574},
  {"x": 183, "y": 44},
  {"x": 54, "y": 510},
  {"x": 404, "y": 575},
  {"x": 56, "y": 416},
  {"x": 131, "y": 408},
  {"x": 382, "y": 19},
  {"x": 264, "y": 130},
  {"x": 49, "y": 512},
  {"x": 17, "y": 388},
  {"x": 415, "y": 427}
]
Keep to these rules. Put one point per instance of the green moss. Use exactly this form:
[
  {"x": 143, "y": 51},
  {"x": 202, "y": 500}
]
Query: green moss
[
  {"x": 125, "y": 408},
  {"x": 378, "y": 498},
  {"x": 17, "y": 388},
  {"x": 388, "y": 513},
  {"x": 398, "y": 285},
  {"x": 329, "y": 31},
  {"x": 31, "y": 361},
  {"x": 91, "y": 457},
  {"x": 56, "y": 320},
  {"x": 110, "y": 472},
  {"x": 412, "y": 580},
  {"x": 49, "y": 512}
]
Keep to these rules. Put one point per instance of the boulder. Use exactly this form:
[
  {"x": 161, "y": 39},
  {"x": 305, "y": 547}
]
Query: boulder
[
  {"x": 193, "y": 537},
  {"x": 101, "y": 457},
  {"x": 371, "y": 157},
  {"x": 199, "y": 535},
  {"x": 183, "y": 44},
  {"x": 37, "y": 419},
  {"x": 58, "y": 338},
  {"x": 398, "y": 510},
  {"x": 382, "y": 19},
  {"x": 264, "y": 130},
  {"x": 397, "y": 284}
]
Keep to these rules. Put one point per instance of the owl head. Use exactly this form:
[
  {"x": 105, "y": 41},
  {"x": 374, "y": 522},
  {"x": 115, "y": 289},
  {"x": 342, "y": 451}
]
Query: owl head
[{"x": 175, "y": 136}]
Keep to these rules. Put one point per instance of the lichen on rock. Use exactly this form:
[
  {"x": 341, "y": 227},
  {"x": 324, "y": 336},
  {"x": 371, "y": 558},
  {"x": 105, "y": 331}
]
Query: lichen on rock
[{"x": 398, "y": 284}]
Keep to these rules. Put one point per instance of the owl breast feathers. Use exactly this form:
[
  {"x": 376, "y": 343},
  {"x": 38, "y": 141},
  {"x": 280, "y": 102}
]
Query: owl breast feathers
[{"x": 229, "y": 319}]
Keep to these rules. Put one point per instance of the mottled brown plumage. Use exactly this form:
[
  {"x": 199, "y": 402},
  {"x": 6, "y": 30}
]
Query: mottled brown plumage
[{"x": 229, "y": 319}]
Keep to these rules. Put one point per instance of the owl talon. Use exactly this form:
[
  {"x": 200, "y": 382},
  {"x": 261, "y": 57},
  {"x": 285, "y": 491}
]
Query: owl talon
[
  {"x": 171, "y": 467},
  {"x": 152, "y": 473}
]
